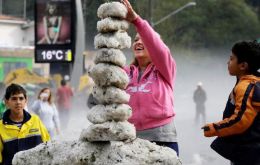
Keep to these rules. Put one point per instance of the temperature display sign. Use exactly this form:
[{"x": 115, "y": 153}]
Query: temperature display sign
[{"x": 54, "y": 55}]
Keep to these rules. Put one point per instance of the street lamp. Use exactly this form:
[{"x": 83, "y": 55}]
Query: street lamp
[{"x": 173, "y": 13}]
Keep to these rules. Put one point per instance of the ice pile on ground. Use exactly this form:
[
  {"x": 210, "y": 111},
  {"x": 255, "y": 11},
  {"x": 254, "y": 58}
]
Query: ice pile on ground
[
  {"x": 111, "y": 139},
  {"x": 137, "y": 152}
]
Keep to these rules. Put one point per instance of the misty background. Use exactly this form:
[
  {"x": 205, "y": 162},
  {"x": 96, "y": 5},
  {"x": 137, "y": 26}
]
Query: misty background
[
  {"x": 200, "y": 38},
  {"x": 192, "y": 66}
]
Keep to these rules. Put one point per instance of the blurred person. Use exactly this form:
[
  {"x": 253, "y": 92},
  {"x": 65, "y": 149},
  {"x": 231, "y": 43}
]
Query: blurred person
[
  {"x": 238, "y": 134},
  {"x": 52, "y": 24},
  {"x": 152, "y": 78},
  {"x": 2, "y": 89},
  {"x": 47, "y": 111},
  {"x": 19, "y": 130},
  {"x": 2, "y": 108},
  {"x": 67, "y": 80},
  {"x": 200, "y": 97},
  {"x": 2, "y": 102},
  {"x": 64, "y": 99}
]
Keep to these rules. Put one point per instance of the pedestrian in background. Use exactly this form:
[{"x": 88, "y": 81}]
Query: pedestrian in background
[
  {"x": 2, "y": 108},
  {"x": 19, "y": 130},
  {"x": 64, "y": 100},
  {"x": 45, "y": 108},
  {"x": 200, "y": 97}
]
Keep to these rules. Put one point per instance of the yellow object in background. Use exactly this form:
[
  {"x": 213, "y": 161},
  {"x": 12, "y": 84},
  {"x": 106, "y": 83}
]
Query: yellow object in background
[
  {"x": 24, "y": 76},
  {"x": 57, "y": 79},
  {"x": 83, "y": 83}
]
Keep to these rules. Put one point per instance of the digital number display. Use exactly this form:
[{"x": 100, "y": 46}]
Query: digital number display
[{"x": 54, "y": 55}]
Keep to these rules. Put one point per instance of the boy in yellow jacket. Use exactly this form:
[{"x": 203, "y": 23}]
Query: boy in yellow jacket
[
  {"x": 238, "y": 134},
  {"x": 19, "y": 130}
]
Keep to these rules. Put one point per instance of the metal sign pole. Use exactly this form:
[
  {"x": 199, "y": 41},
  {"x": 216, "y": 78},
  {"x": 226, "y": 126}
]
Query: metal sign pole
[{"x": 77, "y": 70}]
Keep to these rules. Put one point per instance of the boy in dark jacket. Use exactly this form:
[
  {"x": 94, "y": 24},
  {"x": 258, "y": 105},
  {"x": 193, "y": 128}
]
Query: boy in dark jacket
[{"x": 238, "y": 134}]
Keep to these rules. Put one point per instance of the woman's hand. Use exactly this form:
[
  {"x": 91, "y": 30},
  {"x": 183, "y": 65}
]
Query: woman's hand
[{"x": 131, "y": 14}]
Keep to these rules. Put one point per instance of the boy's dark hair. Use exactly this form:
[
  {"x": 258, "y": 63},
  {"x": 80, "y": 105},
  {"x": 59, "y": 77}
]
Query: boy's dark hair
[
  {"x": 14, "y": 89},
  {"x": 249, "y": 52},
  {"x": 63, "y": 82}
]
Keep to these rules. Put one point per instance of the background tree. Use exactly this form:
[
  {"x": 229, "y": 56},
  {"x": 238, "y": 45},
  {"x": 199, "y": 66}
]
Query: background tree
[
  {"x": 211, "y": 23},
  {"x": 256, "y": 5}
]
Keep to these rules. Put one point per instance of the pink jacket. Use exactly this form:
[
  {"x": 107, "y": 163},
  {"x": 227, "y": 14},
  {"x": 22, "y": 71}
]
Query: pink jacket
[{"x": 152, "y": 97}]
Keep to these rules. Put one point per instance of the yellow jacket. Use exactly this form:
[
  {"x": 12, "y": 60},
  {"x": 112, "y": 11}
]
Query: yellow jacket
[{"x": 14, "y": 139}]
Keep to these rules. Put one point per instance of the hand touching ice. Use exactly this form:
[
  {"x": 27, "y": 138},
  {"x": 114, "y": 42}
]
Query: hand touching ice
[{"x": 131, "y": 14}]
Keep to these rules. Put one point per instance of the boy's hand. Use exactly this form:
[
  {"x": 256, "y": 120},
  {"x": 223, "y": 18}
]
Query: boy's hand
[
  {"x": 209, "y": 130},
  {"x": 205, "y": 128}
]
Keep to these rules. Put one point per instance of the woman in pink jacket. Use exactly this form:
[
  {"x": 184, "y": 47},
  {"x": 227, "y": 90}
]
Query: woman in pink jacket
[{"x": 152, "y": 77}]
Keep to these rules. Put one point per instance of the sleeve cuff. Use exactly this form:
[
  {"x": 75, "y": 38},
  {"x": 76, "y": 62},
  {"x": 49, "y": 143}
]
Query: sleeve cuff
[{"x": 137, "y": 21}]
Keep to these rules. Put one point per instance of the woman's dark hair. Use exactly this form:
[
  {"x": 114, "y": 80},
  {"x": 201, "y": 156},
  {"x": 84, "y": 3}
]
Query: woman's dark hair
[
  {"x": 48, "y": 5},
  {"x": 249, "y": 52},
  {"x": 14, "y": 89},
  {"x": 63, "y": 82}
]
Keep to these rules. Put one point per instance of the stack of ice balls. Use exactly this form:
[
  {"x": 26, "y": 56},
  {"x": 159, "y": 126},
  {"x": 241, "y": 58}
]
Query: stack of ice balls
[{"x": 109, "y": 116}]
